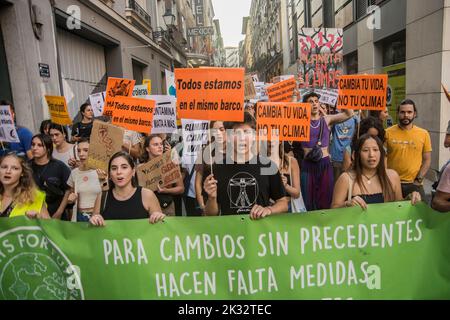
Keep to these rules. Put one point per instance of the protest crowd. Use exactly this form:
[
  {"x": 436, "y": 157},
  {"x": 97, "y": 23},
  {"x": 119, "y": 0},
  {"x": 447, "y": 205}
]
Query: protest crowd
[{"x": 350, "y": 158}]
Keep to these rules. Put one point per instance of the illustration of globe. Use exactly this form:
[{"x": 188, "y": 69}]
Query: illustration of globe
[{"x": 32, "y": 276}]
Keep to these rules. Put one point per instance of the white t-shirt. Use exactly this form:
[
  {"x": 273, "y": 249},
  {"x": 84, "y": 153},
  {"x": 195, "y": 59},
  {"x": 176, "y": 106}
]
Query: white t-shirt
[
  {"x": 65, "y": 156},
  {"x": 87, "y": 186}
]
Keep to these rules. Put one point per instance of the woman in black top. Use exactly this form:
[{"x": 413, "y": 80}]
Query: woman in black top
[
  {"x": 368, "y": 181},
  {"x": 49, "y": 174},
  {"x": 125, "y": 201},
  {"x": 83, "y": 128}
]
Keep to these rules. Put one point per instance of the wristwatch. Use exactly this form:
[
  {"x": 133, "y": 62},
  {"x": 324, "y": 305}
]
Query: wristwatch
[{"x": 419, "y": 179}]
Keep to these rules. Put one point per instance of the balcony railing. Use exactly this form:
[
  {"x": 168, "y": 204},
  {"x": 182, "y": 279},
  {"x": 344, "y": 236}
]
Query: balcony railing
[{"x": 140, "y": 12}]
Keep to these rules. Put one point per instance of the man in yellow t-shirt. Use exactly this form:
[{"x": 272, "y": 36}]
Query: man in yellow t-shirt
[{"x": 408, "y": 149}]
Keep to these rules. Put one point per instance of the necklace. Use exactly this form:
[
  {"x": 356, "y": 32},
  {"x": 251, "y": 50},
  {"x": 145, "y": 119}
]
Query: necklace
[
  {"x": 316, "y": 125},
  {"x": 122, "y": 197},
  {"x": 368, "y": 179}
]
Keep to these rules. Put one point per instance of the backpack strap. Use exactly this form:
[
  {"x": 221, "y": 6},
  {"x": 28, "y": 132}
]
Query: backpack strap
[{"x": 103, "y": 201}]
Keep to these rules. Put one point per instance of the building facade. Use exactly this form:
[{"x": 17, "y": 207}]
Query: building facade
[
  {"x": 408, "y": 40},
  {"x": 71, "y": 47},
  {"x": 266, "y": 38}
]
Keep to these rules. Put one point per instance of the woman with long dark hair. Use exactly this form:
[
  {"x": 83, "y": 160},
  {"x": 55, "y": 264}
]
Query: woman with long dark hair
[
  {"x": 62, "y": 150},
  {"x": 215, "y": 149},
  {"x": 125, "y": 200},
  {"x": 154, "y": 147},
  {"x": 18, "y": 193},
  {"x": 370, "y": 125},
  {"x": 369, "y": 181},
  {"x": 49, "y": 174},
  {"x": 83, "y": 128}
]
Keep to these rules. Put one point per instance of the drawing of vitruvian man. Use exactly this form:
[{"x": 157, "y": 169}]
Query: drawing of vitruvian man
[{"x": 242, "y": 191}]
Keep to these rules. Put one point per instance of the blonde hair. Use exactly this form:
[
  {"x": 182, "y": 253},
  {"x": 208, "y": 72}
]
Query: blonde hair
[{"x": 26, "y": 191}]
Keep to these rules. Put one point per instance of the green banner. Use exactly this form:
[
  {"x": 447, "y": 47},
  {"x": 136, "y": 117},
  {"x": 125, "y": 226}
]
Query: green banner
[{"x": 390, "y": 251}]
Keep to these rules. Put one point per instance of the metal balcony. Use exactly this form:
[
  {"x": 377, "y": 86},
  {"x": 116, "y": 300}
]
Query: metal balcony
[{"x": 138, "y": 16}]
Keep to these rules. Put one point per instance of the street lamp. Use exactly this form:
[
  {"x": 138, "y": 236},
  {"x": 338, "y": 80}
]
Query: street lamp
[{"x": 169, "y": 18}]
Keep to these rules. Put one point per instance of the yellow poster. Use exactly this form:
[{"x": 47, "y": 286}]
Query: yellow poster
[
  {"x": 148, "y": 82},
  {"x": 57, "y": 107}
]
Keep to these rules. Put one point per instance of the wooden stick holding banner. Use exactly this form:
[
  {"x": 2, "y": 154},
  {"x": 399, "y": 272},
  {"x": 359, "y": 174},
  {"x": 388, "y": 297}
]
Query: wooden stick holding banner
[{"x": 210, "y": 150}]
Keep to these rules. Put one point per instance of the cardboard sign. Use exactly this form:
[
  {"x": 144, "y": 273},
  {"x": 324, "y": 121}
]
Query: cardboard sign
[
  {"x": 160, "y": 171},
  {"x": 210, "y": 94},
  {"x": 106, "y": 139},
  {"x": 363, "y": 92},
  {"x": 57, "y": 107},
  {"x": 165, "y": 115},
  {"x": 195, "y": 135},
  {"x": 321, "y": 57},
  {"x": 8, "y": 131},
  {"x": 131, "y": 113},
  {"x": 142, "y": 90},
  {"x": 249, "y": 91},
  {"x": 328, "y": 96},
  {"x": 283, "y": 121},
  {"x": 282, "y": 91},
  {"x": 97, "y": 101}
]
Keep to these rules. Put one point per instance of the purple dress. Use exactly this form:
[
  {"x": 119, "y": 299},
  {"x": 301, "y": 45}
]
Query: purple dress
[{"x": 316, "y": 178}]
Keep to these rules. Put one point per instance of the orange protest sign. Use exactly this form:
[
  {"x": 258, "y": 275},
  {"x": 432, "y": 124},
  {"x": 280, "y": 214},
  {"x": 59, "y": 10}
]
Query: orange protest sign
[
  {"x": 210, "y": 94},
  {"x": 282, "y": 91},
  {"x": 363, "y": 92},
  {"x": 131, "y": 113},
  {"x": 58, "y": 110},
  {"x": 117, "y": 87},
  {"x": 286, "y": 121}
]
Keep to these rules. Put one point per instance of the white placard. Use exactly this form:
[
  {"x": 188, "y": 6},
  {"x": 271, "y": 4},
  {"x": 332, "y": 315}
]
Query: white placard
[
  {"x": 327, "y": 96},
  {"x": 165, "y": 115},
  {"x": 8, "y": 131},
  {"x": 97, "y": 101},
  {"x": 195, "y": 135}
]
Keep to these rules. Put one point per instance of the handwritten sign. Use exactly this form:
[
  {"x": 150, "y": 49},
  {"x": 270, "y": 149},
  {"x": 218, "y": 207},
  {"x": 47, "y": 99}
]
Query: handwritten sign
[
  {"x": 283, "y": 121},
  {"x": 363, "y": 92},
  {"x": 327, "y": 96},
  {"x": 249, "y": 90},
  {"x": 131, "y": 113},
  {"x": 161, "y": 171},
  {"x": 282, "y": 91},
  {"x": 106, "y": 139},
  {"x": 8, "y": 131},
  {"x": 210, "y": 94},
  {"x": 57, "y": 107},
  {"x": 195, "y": 135},
  {"x": 321, "y": 57}
]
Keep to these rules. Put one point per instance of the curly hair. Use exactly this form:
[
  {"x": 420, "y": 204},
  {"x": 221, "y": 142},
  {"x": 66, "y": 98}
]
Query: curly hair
[{"x": 25, "y": 191}]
